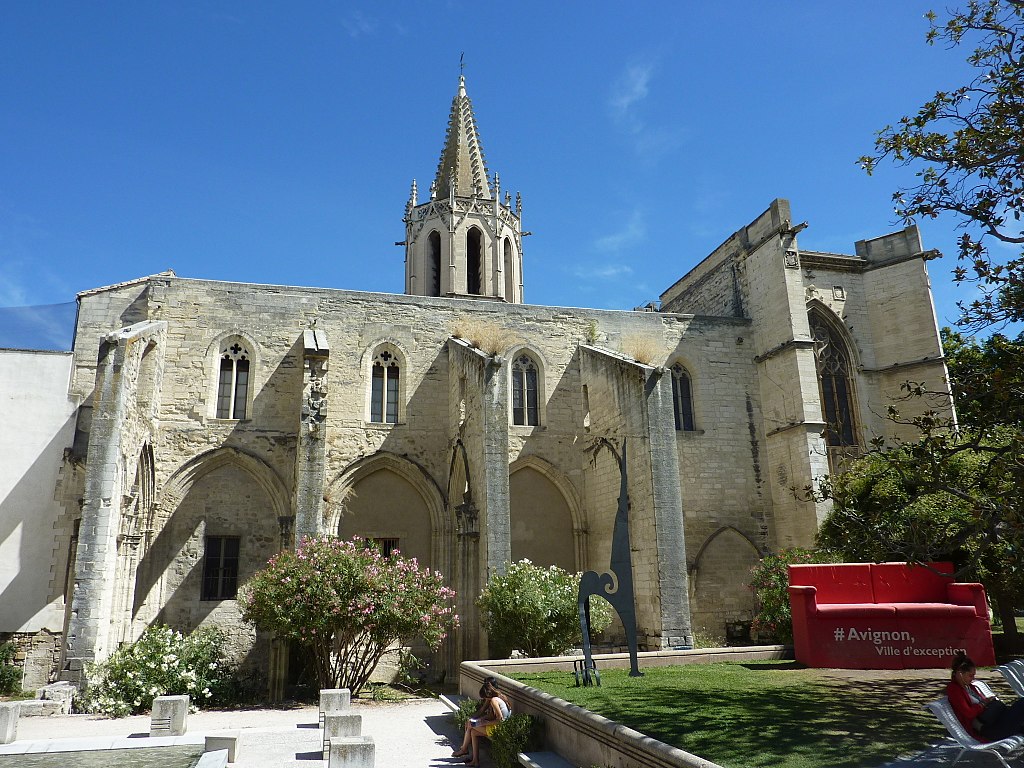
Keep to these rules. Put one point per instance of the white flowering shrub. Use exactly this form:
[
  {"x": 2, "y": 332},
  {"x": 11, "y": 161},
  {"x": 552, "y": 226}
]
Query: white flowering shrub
[
  {"x": 535, "y": 610},
  {"x": 162, "y": 662}
]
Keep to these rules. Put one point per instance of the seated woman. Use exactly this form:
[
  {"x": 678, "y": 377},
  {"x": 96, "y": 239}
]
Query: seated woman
[
  {"x": 986, "y": 719},
  {"x": 493, "y": 709}
]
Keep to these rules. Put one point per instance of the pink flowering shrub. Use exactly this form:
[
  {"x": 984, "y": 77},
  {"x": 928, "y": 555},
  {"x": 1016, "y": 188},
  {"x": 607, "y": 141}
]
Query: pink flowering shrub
[
  {"x": 769, "y": 580},
  {"x": 347, "y": 603}
]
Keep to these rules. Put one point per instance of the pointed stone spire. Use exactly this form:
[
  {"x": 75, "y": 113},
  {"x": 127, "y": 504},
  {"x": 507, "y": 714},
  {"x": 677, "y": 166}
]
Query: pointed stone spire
[{"x": 462, "y": 172}]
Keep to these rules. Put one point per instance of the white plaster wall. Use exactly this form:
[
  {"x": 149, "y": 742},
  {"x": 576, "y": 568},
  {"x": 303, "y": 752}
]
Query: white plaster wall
[{"x": 37, "y": 422}]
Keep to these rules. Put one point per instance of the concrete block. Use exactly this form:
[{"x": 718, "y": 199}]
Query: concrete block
[
  {"x": 334, "y": 700},
  {"x": 354, "y": 752},
  {"x": 9, "y": 712},
  {"x": 341, "y": 725},
  {"x": 228, "y": 741},
  {"x": 62, "y": 693},
  {"x": 169, "y": 716}
]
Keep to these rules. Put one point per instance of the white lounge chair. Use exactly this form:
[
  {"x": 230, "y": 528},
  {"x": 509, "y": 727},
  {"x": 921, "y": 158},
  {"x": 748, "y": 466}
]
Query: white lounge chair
[
  {"x": 1001, "y": 749},
  {"x": 1014, "y": 676}
]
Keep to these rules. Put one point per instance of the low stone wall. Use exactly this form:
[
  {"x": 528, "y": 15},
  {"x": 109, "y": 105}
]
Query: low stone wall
[
  {"x": 38, "y": 655},
  {"x": 585, "y": 738}
]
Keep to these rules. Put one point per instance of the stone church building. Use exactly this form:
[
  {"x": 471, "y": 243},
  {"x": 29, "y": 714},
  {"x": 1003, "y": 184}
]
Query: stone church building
[{"x": 207, "y": 425}]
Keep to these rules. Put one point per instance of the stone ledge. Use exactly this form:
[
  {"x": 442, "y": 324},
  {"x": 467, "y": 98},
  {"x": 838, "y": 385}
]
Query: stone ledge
[{"x": 590, "y": 738}]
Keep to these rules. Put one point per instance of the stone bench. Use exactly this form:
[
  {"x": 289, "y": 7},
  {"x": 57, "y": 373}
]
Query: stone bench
[
  {"x": 452, "y": 700},
  {"x": 543, "y": 760},
  {"x": 169, "y": 716},
  {"x": 227, "y": 740},
  {"x": 351, "y": 752}
]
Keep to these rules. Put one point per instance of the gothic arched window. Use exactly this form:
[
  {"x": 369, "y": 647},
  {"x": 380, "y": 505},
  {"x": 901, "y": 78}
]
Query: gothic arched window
[
  {"x": 435, "y": 263},
  {"x": 474, "y": 257},
  {"x": 835, "y": 384},
  {"x": 525, "y": 394},
  {"x": 510, "y": 273},
  {"x": 682, "y": 398},
  {"x": 233, "y": 379},
  {"x": 385, "y": 377}
]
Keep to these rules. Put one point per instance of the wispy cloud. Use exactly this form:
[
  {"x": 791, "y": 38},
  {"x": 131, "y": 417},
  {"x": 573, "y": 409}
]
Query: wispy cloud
[
  {"x": 628, "y": 90},
  {"x": 601, "y": 272},
  {"x": 632, "y": 232},
  {"x": 628, "y": 96},
  {"x": 357, "y": 24}
]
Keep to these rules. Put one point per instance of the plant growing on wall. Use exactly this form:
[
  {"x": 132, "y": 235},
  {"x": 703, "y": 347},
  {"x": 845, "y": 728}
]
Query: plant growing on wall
[
  {"x": 347, "y": 603},
  {"x": 161, "y": 662},
  {"x": 641, "y": 348},
  {"x": 534, "y": 609},
  {"x": 489, "y": 338}
]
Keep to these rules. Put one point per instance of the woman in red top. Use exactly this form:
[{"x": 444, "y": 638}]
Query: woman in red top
[{"x": 969, "y": 704}]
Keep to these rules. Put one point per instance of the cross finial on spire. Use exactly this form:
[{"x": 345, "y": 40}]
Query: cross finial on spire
[{"x": 462, "y": 63}]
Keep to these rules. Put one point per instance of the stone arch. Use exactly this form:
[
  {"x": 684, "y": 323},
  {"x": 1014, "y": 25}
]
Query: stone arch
[
  {"x": 184, "y": 479},
  {"x": 221, "y": 495},
  {"x": 536, "y": 498},
  {"x": 197, "y": 467},
  {"x": 338, "y": 493},
  {"x": 719, "y": 580}
]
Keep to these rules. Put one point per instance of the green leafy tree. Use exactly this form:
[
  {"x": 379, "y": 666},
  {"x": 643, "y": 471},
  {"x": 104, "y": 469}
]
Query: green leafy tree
[
  {"x": 347, "y": 603},
  {"x": 987, "y": 378},
  {"x": 942, "y": 497},
  {"x": 535, "y": 610},
  {"x": 769, "y": 580},
  {"x": 965, "y": 145}
]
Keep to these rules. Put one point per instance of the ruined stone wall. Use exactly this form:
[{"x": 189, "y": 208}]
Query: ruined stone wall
[{"x": 719, "y": 468}]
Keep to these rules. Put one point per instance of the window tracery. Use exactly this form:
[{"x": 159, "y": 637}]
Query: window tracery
[
  {"x": 233, "y": 380},
  {"x": 682, "y": 399},
  {"x": 525, "y": 393},
  {"x": 385, "y": 378},
  {"x": 835, "y": 384}
]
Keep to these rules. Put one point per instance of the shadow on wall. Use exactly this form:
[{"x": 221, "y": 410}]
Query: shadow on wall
[{"x": 32, "y": 586}]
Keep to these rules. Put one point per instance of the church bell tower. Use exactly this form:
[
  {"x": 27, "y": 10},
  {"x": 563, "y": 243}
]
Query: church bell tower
[{"x": 465, "y": 241}]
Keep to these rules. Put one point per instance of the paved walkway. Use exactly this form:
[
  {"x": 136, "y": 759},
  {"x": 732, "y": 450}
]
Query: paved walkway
[
  {"x": 411, "y": 733},
  {"x": 415, "y": 733}
]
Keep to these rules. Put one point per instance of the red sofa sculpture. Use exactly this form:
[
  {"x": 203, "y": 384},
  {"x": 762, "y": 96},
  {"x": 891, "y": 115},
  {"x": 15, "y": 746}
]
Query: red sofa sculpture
[{"x": 886, "y": 616}]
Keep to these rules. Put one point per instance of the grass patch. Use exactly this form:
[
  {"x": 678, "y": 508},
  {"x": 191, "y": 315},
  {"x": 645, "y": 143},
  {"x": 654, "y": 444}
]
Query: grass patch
[{"x": 764, "y": 714}]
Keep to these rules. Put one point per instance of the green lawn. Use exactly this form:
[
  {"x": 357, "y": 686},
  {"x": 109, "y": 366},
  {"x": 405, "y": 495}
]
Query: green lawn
[{"x": 762, "y": 714}]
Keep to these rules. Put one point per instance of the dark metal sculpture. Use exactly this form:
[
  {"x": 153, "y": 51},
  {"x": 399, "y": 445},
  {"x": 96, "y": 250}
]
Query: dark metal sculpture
[{"x": 616, "y": 584}]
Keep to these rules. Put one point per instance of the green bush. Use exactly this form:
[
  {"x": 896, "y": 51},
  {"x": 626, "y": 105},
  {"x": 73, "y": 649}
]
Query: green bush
[
  {"x": 10, "y": 675},
  {"x": 162, "y": 662},
  {"x": 535, "y": 610},
  {"x": 465, "y": 711},
  {"x": 770, "y": 582},
  {"x": 516, "y": 733}
]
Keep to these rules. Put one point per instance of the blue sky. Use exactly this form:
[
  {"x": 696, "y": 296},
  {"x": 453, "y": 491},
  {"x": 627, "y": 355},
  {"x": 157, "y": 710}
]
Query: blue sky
[{"x": 276, "y": 143}]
